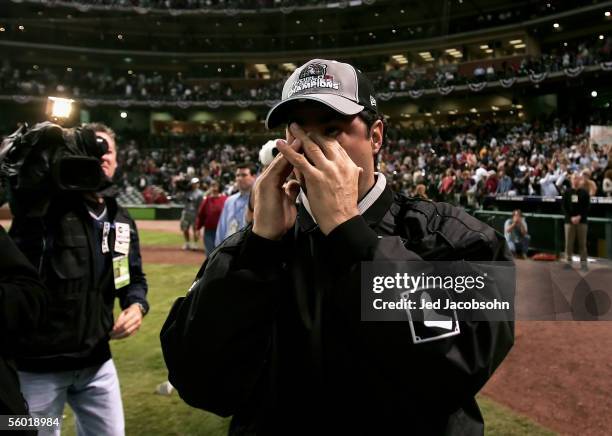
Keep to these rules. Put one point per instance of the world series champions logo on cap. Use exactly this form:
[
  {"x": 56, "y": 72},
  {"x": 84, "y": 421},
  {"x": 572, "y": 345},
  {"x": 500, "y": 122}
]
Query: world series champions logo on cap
[{"x": 313, "y": 77}]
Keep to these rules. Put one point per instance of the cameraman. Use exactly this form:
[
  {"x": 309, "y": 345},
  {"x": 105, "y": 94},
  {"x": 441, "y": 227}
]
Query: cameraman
[
  {"x": 86, "y": 248},
  {"x": 22, "y": 300}
]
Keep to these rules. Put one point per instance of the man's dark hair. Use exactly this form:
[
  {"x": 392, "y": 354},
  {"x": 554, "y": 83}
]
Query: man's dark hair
[
  {"x": 247, "y": 165},
  {"x": 100, "y": 127}
]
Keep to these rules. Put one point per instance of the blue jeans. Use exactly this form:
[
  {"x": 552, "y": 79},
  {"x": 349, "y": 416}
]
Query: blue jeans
[
  {"x": 209, "y": 240},
  {"x": 92, "y": 393},
  {"x": 519, "y": 247}
]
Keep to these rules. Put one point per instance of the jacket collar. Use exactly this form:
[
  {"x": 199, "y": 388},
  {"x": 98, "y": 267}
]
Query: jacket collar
[{"x": 372, "y": 207}]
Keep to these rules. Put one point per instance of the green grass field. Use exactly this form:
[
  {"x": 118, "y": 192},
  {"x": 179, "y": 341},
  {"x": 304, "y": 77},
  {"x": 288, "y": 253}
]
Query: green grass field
[
  {"x": 150, "y": 237},
  {"x": 141, "y": 368}
]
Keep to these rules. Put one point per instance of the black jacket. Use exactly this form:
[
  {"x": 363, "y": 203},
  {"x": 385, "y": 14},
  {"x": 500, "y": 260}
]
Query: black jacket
[
  {"x": 66, "y": 247},
  {"x": 22, "y": 303},
  {"x": 243, "y": 343},
  {"x": 576, "y": 202}
]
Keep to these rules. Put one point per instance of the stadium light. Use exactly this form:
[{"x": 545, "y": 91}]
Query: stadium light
[
  {"x": 520, "y": 46},
  {"x": 607, "y": 13},
  {"x": 516, "y": 41},
  {"x": 593, "y": 94},
  {"x": 556, "y": 25},
  {"x": 400, "y": 59},
  {"x": 59, "y": 108},
  {"x": 2, "y": 29},
  {"x": 123, "y": 115},
  {"x": 601, "y": 37}
]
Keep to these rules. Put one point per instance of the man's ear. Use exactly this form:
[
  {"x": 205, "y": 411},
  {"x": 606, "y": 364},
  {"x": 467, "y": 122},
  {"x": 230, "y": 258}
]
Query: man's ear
[{"x": 377, "y": 135}]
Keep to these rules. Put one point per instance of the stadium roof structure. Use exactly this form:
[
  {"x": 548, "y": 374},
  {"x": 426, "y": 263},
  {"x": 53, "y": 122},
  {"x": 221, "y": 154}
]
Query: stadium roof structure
[{"x": 344, "y": 27}]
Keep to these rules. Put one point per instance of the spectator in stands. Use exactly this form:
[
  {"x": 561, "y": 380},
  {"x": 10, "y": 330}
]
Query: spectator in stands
[
  {"x": 504, "y": 184},
  {"x": 491, "y": 183},
  {"x": 233, "y": 215},
  {"x": 209, "y": 214},
  {"x": 589, "y": 185},
  {"x": 561, "y": 178},
  {"x": 516, "y": 234},
  {"x": 447, "y": 185},
  {"x": 420, "y": 191},
  {"x": 193, "y": 199},
  {"x": 547, "y": 183},
  {"x": 607, "y": 183},
  {"x": 576, "y": 202}
]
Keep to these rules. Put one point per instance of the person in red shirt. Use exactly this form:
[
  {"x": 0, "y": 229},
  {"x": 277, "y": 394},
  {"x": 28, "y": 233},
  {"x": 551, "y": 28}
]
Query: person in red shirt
[
  {"x": 208, "y": 215},
  {"x": 491, "y": 183},
  {"x": 447, "y": 184}
]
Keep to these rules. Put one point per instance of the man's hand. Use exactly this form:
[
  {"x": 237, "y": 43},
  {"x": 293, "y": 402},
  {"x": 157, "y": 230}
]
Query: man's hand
[
  {"x": 127, "y": 323},
  {"x": 576, "y": 219},
  {"x": 274, "y": 197},
  {"x": 332, "y": 179}
]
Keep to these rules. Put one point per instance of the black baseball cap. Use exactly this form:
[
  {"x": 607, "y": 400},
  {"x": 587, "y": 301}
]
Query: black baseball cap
[{"x": 338, "y": 85}]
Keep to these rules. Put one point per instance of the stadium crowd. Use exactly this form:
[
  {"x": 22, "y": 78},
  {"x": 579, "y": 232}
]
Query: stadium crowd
[
  {"x": 578, "y": 55},
  {"x": 199, "y": 4},
  {"x": 461, "y": 164},
  {"x": 39, "y": 81}
]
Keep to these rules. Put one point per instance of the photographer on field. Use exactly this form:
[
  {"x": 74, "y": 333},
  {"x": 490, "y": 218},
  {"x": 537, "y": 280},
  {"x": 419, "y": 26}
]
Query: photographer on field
[
  {"x": 85, "y": 246},
  {"x": 22, "y": 304}
]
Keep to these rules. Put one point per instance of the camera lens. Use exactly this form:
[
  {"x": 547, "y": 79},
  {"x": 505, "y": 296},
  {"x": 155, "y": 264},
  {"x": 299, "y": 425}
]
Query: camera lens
[{"x": 101, "y": 145}]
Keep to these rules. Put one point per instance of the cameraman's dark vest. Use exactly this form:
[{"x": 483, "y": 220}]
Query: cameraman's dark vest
[{"x": 80, "y": 317}]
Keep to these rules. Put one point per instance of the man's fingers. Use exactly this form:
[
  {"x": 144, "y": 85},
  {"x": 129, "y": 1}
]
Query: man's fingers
[
  {"x": 292, "y": 189},
  {"x": 311, "y": 148},
  {"x": 126, "y": 329},
  {"x": 125, "y": 318},
  {"x": 133, "y": 318},
  {"x": 328, "y": 146},
  {"x": 296, "y": 159},
  {"x": 132, "y": 324},
  {"x": 125, "y": 333}
]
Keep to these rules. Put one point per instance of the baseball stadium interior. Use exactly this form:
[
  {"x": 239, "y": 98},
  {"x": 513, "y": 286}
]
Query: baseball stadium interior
[{"x": 490, "y": 105}]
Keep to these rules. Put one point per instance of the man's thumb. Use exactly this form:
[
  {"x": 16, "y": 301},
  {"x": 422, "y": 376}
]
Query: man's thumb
[{"x": 292, "y": 189}]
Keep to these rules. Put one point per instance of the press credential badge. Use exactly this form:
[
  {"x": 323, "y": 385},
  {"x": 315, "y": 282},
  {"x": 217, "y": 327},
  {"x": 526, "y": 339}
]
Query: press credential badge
[
  {"x": 122, "y": 238},
  {"x": 121, "y": 271}
]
